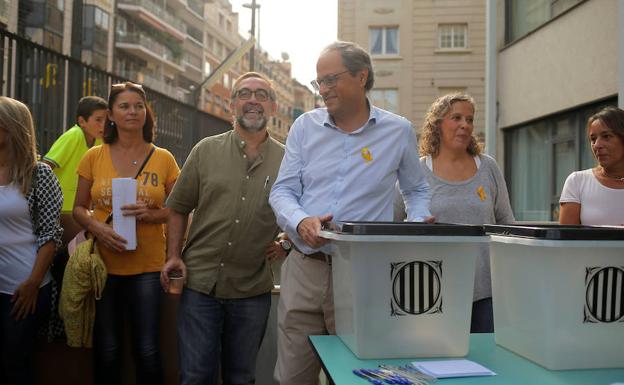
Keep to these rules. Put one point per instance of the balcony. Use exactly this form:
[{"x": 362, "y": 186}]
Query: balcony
[
  {"x": 192, "y": 62},
  {"x": 157, "y": 83},
  {"x": 143, "y": 46},
  {"x": 195, "y": 8},
  {"x": 156, "y": 16}
]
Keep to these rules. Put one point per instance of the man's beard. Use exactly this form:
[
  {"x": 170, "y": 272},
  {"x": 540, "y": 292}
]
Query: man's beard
[{"x": 252, "y": 125}]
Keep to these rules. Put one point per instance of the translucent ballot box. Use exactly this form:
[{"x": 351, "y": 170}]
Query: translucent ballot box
[
  {"x": 558, "y": 294},
  {"x": 404, "y": 289}
]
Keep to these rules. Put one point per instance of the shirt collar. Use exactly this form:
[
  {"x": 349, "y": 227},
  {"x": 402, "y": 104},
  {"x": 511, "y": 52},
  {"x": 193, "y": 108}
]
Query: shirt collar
[
  {"x": 372, "y": 118},
  {"x": 241, "y": 143}
]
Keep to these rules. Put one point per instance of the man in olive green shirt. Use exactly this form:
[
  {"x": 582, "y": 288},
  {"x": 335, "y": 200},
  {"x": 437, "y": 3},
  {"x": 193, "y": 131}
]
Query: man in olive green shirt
[{"x": 226, "y": 179}]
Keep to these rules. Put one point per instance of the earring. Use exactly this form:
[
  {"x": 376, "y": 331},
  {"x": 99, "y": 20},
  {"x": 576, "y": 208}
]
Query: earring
[{"x": 112, "y": 124}]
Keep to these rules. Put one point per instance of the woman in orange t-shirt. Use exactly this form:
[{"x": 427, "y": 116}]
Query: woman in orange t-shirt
[{"x": 132, "y": 287}]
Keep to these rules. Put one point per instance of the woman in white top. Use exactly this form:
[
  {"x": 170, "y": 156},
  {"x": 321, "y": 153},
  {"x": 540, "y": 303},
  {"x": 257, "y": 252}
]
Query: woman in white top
[
  {"x": 30, "y": 206},
  {"x": 596, "y": 196}
]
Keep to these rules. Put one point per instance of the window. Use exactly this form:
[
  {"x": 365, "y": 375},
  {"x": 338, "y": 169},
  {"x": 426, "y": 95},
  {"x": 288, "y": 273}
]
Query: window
[
  {"x": 195, "y": 33},
  {"x": 121, "y": 26},
  {"x": 101, "y": 19},
  {"x": 207, "y": 68},
  {"x": 226, "y": 80},
  {"x": 210, "y": 43},
  {"x": 540, "y": 156},
  {"x": 453, "y": 36},
  {"x": 522, "y": 16},
  {"x": 387, "y": 99},
  {"x": 383, "y": 40}
]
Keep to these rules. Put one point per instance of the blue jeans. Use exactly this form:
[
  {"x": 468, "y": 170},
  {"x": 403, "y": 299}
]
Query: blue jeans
[
  {"x": 135, "y": 298},
  {"x": 214, "y": 331},
  {"x": 17, "y": 339}
]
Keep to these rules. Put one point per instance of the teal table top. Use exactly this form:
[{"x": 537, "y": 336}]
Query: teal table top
[{"x": 511, "y": 369}]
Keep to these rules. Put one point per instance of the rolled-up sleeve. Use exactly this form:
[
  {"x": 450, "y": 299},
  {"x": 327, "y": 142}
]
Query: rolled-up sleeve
[
  {"x": 413, "y": 181},
  {"x": 185, "y": 194},
  {"x": 48, "y": 203}
]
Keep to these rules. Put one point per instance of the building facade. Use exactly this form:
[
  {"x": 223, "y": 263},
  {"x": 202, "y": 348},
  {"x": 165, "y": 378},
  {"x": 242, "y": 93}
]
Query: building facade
[
  {"x": 171, "y": 46},
  {"x": 304, "y": 100},
  {"x": 557, "y": 65},
  {"x": 222, "y": 38},
  {"x": 160, "y": 43},
  {"x": 420, "y": 50}
]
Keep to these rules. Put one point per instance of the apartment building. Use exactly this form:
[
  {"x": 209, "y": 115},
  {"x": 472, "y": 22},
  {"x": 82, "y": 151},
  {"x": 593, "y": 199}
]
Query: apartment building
[
  {"x": 280, "y": 73},
  {"x": 160, "y": 43},
  {"x": 304, "y": 100},
  {"x": 171, "y": 46},
  {"x": 222, "y": 38},
  {"x": 420, "y": 50},
  {"x": 557, "y": 65}
]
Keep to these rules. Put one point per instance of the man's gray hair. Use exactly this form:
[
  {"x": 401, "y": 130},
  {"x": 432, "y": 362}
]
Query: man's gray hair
[{"x": 355, "y": 58}]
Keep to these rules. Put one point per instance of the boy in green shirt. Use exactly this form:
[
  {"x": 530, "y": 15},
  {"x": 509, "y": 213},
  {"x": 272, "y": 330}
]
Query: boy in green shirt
[{"x": 67, "y": 151}]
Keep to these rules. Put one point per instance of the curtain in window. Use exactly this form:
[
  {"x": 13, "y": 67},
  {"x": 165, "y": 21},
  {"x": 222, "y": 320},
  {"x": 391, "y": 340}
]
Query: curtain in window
[
  {"x": 376, "y": 43},
  {"x": 392, "y": 41},
  {"x": 530, "y": 176}
]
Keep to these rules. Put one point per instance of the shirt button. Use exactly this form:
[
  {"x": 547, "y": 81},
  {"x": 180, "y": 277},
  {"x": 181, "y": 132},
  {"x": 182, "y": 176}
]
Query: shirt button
[
  {"x": 222, "y": 264},
  {"x": 242, "y": 142},
  {"x": 229, "y": 243},
  {"x": 247, "y": 177},
  {"x": 242, "y": 198},
  {"x": 244, "y": 155},
  {"x": 236, "y": 220}
]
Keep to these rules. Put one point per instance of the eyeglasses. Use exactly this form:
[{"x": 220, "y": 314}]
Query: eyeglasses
[
  {"x": 329, "y": 81},
  {"x": 262, "y": 95}
]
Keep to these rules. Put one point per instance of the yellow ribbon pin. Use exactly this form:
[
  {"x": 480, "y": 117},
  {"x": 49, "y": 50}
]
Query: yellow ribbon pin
[
  {"x": 481, "y": 193},
  {"x": 366, "y": 154}
]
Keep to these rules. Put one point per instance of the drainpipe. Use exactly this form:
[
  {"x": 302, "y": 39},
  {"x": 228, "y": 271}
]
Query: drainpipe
[{"x": 490, "y": 78}]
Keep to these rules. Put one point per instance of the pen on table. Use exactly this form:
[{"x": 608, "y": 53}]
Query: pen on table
[{"x": 266, "y": 182}]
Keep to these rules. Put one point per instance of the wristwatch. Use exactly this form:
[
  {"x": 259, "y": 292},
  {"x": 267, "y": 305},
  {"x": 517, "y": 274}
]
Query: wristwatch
[{"x": 286, "y": 245}]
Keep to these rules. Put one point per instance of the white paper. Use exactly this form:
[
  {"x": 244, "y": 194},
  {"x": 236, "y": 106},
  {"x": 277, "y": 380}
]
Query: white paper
[
  {"x": 124, "y": 193},
  {"x": 452, "y": 368}
]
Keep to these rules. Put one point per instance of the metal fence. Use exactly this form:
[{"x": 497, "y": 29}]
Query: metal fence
[{"x": 51, "y": 85}]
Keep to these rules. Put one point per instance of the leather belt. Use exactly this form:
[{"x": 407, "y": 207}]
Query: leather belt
[{"x": 319, "y": 256}]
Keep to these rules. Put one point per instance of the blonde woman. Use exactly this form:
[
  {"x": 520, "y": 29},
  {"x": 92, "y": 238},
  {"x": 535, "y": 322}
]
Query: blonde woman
[
  {"x": 30, "y": 206},
  {"x": 466, "y": 185}
]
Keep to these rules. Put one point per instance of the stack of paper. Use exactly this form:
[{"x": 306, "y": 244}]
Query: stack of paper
[
  {"x": 124, "y": 193},
  {"x": 452, "y": 368}
]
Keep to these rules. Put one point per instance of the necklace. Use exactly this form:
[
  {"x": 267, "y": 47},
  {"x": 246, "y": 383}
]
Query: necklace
[{"x": 617, "y": 178}]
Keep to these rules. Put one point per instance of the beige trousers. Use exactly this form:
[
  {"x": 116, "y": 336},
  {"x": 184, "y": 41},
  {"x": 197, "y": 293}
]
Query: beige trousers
[{"x": 306, "y": 307}]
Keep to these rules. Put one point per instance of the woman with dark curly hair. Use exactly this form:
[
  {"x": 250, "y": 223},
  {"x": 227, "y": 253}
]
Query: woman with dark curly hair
[
  {"x": 466, "y": 186},
  {"x": 30, "y": 233},
  {"x": 588, "y": 196}
]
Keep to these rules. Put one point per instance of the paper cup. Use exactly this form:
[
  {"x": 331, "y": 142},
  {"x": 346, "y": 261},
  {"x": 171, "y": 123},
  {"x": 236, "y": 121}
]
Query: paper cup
[{"x": 176, "y": 282}]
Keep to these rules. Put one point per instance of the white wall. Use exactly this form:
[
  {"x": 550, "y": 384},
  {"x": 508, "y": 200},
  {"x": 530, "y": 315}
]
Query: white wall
[{"x": 568, "y": 62}]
